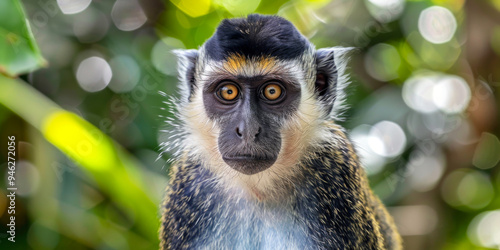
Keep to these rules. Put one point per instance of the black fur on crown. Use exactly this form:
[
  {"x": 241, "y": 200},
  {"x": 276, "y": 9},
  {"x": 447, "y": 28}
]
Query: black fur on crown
[{"x": 256, "y": 35}]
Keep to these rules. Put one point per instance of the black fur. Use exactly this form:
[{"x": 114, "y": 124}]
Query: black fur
[{"x": 256, "y": 35}]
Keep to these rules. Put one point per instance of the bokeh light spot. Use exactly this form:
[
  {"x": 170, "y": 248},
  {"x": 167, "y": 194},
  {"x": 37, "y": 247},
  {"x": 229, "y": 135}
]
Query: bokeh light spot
[
  {"x": 487, "y": 153},
  {"x": 467, "y": 189},
  {"x": 418, "y": 93},
  {"x": 93, "y": 74},
  {"x": 371, "y": 161},
  {"x": 425, "y": 169},
  {"x": 484, "y": 230},
  {"x": 437, "y": 24},
  {"x": 73, "y": 6},
  {"x": 387, "y": 139},
  {"x": 128, "y": 15},
  {"x": 451, "y": 94},
  {"x": 429, "y": 93},
  {"x": 385, "y": 11}
]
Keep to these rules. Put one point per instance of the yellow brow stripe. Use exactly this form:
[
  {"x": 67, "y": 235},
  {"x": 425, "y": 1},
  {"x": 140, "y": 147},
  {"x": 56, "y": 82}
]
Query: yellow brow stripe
[{"x": 237, "y": 64}]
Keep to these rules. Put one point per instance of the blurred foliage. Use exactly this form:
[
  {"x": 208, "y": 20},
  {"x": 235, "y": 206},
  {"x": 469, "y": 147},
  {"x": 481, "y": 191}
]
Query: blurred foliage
[
  {"x": 18, "y": 51},
  {"x": 423, "y": 111}
]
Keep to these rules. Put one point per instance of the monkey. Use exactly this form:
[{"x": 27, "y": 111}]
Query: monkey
[{"x": 260, "y": 161}]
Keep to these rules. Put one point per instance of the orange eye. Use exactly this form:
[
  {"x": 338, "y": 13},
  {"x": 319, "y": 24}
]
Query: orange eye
[
  {"x": 272, "y": 92},
  {"x": 228, "y": 92}
]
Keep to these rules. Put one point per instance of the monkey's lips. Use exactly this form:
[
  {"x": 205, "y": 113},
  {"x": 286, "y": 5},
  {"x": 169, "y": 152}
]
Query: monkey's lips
[{"x": 249, "y": 164}]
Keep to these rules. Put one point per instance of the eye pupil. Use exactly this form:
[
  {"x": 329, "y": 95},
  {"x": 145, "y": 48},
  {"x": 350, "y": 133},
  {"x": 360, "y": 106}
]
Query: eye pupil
[
  {"x": 229, "y": 91},
  {"x": 272, "y": 91}
]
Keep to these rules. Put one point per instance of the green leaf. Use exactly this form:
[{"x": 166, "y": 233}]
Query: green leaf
[{"x": 19, "y": 52}]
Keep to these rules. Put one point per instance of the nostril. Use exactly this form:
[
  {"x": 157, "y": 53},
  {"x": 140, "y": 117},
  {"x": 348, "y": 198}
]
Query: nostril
[
  {"x": 258, "y": 132},
  {"x": 238, "y": 132}
]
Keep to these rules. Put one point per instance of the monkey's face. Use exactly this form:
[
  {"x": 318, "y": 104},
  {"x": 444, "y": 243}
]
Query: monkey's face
[
  {"x": 250, "y": 113},
  {"x": 254, "y": 98}
]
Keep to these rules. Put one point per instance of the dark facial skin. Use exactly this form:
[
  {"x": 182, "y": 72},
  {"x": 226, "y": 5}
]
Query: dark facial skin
[{"x": 250, "y": 139}]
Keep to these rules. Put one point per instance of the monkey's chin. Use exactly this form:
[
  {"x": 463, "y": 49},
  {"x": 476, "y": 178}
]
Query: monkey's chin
[{"x": 247, "y": 164}]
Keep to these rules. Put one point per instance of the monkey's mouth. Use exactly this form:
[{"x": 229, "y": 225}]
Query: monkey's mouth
[{"x": 249, "y": 164}]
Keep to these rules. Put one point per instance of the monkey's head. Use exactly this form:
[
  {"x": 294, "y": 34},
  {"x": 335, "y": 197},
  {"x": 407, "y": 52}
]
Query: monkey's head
[{"x": 255, "y": 96}]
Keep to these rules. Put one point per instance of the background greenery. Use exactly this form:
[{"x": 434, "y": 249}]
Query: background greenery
[{"x": 423, "y": 111}]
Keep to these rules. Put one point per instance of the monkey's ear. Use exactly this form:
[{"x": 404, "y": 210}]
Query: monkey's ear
[
  {"x": 326, "y": 77},
  {"x": 331, "y": 79},
  {"x": 186, "y": 66}
]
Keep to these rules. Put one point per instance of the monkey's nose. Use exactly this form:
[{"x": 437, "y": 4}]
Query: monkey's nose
[{"x": 247, "y": 132}]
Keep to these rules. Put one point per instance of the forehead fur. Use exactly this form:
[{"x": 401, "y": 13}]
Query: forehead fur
[
  {"x": 236, "y": 63},
  {"x": 256, "y": 36}
]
